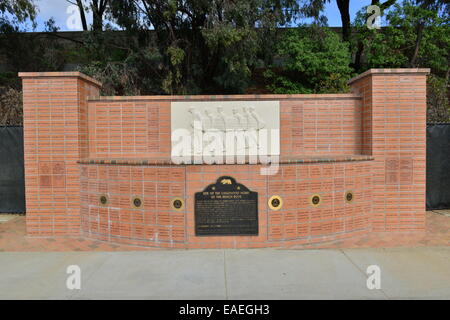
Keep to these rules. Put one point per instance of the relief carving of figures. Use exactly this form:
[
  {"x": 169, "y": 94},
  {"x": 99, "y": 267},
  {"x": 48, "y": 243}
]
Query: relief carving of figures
[{"x": 213, "y": 127}]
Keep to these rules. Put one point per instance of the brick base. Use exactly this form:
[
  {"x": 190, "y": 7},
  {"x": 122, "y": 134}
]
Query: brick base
[{"x": 156, "y": 223}]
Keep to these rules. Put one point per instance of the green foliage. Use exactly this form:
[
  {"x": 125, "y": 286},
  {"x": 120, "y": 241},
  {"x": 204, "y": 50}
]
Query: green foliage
[
  {"x": 174, "y": 77},
  {"x": 10, "y": 107},
  {"x": 129, "y": 75},
  {"x": 224, "y": 46},
  {"x": 237, "y": 55},
  {"x": 315, "y": 61},
  {"x": 437, "y": 100},
  {"x": 207, "y": 46},
  {"x": 417, "y": 35},
  {"x": 394, "y": 45},
  {"x": 29, "y": 52},
  {"x": 20, "y": 10}
]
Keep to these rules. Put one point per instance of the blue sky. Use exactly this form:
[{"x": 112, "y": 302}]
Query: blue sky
[{"x": 60, "y": 11}]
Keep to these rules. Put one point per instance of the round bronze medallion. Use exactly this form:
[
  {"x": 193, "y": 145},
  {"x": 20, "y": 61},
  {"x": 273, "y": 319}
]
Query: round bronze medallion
[
  {"x": 275, "y": 203},
  {"x": 103, "y": 200},
  {"x": 315, "y": 200},
  {"x": 177, "y": 204},
  {"x": 137, "y": 202},
  {"x": 349, "y": 196}
]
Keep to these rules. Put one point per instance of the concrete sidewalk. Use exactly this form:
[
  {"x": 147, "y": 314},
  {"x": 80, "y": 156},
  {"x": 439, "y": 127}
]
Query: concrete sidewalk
[{"x": 411, "y": 273}]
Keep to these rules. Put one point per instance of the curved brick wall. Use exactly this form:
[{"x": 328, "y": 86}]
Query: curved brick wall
[
  {"x": 79, "y": 145},
  {"x": 139, "y": 127},
  {"x": 157, "y": 224}
]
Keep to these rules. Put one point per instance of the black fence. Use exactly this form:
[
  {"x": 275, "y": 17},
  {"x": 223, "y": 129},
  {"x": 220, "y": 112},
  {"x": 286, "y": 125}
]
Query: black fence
[
  {"x": 12, "y": 185},
  {"x": 12, "y": 181},
  {"x": 438, "y": 166}
]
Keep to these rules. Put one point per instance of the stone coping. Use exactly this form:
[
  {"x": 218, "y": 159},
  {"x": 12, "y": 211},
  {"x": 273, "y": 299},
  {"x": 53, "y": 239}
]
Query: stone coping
[
  {"x": 59, "y": 74},
  {"x": 228, "y": 97},
  {"x": 342, "y": 96},
  {"x": 389, "y": 71},
  {"x": 167, "y": 161}
]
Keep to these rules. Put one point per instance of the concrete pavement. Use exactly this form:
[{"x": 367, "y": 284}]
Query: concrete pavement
[{"x": 406, "y": 273}]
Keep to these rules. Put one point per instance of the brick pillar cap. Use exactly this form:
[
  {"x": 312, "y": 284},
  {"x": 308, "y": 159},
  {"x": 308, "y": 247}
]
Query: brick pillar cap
[
  {"x": 389, "y": 71},
  {"x": 60, "y": 74}
]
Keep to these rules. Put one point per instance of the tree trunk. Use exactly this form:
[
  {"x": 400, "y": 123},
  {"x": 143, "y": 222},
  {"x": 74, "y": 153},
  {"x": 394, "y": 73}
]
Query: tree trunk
[
  {"x": 417, "y": 46},
  {"x": 358, "y": 56},
  {"x": 82, "y": 15},
  {"x": 98, "y": 9},
  {"x": 343, "y": 6}
]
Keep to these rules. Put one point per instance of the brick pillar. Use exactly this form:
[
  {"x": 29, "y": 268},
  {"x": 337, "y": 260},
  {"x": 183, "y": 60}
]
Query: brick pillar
[
  {"x": 55, "y": 138},
  {"x": 394, "y": 132}
]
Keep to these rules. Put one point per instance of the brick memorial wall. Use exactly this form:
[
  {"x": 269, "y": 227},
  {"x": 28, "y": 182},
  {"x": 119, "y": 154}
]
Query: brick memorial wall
[{"x": 101, "y": 167}]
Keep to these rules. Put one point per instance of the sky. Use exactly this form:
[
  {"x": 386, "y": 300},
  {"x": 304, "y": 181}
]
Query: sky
[{"x": 67, "y": 19}]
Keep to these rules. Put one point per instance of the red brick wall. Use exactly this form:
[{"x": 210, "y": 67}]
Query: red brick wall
[
  {"x": 310, "y": 125},
  {"x": 321, "y": 126},
  {"x": 129, "y": 129},
  {"x": 156, "y": 223},
  {"x": 55, "y": 131},
  {"x": 395, "y": 134},
  {"x": 370, "y": 142}
]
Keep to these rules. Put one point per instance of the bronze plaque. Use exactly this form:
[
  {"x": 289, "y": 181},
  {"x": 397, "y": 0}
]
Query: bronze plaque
[{"x": 226, "y": 208}]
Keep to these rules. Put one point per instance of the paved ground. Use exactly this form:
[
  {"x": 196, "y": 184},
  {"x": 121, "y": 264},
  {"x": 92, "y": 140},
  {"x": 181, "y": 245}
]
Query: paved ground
[
  {"x": 7, "y": 217},
  {"x": 412, "y": 273},
  {"x": 418, "y": 268},
  {"x": 13, "y": 238}
]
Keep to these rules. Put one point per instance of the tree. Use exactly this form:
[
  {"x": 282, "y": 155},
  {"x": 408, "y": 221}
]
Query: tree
[
  {"x": 33, "y": 52},
  {"x": 98, "y": 9},
  {"x": 21, "y": 10},
  {"x": 314, "y": 8},
  {"x": 12, "y": 12},
  {"x": 206, "y": 46},
  {"x": 416, "y": 35},
  {"x": 438, "y": 104},
  {"x": 426, "y": 14},
  {"x": 314, "y": 61}
]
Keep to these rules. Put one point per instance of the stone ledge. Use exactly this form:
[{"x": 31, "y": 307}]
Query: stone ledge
[
  {"x": 168, "y": 162},
  {"x": 389, "y": 71},
  {"x": 342, "y": 96},
  {"x": 60, "y": 74}
]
